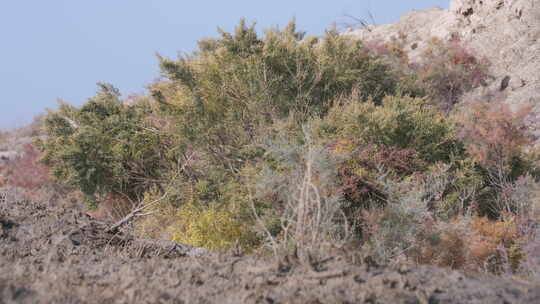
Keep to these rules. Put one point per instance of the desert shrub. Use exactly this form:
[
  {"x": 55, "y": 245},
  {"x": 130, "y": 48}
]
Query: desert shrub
[
  {"x": 400, "y": 122},
  {"x": 394, "y": 229},
  {"x": 237, "y": 85},
  {"x": 415, "y": 223},
  {"x": 400, "y": 138},
  {"x": 529, "y": 264},
  {"x": 392, "y": 232},
  {"x": 359, "y": 175},
  {"x": 442, "y": 243},
  {"x": 496, "y": 139},
  {"x": 241, "y": 90},
  {"x": 392, "y": 51},
  {"x": 213, "y": 228},
  {"x": 488, "y": 235},
  {"x": 313, "y": 140},
  {"x": 470, "y": 243},
  {"x": 186, "y": 204},
  {"x": 517, "y": 197},
  {"x": 106, "y": 146},
  {"x": 448, "y": 70},
  {"x": 299, "y": 181},
  {"x": 432, "y": 217},
  {"x": 462, "y": 191}
]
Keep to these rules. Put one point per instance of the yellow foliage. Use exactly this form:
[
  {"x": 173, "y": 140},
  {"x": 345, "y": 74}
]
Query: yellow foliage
[
  {"x": 494, "y": 233},
  {"x": 212, "y": 228},
  {"x": 343, "y": 146},
  {"x": 488, "y": 235}
]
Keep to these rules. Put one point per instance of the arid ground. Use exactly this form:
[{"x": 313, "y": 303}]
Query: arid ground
[{"x": 51, "y": 254}]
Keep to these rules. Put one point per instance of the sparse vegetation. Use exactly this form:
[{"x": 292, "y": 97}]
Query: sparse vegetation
[{"x": 449, "y": 71}]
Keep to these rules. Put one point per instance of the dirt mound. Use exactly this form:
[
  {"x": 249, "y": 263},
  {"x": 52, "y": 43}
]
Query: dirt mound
[{"x": 52, "y": 254}]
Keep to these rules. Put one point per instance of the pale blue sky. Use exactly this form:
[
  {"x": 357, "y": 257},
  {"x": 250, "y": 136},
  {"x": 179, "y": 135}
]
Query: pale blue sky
[{"x": 51, "y": 49}]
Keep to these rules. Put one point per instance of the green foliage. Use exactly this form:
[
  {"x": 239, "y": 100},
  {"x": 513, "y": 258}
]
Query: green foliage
[
  {"x": 464, "y": 183},
  {"x": 400, "y": 122},
  {"x": 238, "y": 85},
  {"x": 105, "y": 146},
  {"x": 239, "y": 90},
  {"x": 398, "y": 139}
]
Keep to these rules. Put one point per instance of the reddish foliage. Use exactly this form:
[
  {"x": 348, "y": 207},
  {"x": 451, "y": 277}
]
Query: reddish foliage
[
  {"x": 26, "y": 172},
  {"x": 400, "y": 161},
  {"x": 449, "y": 249},
  {"x": 393, "y": 49},
  {"x": 356, "y": 188},
  {"x": 468, "y": 244},
  {"x": 494, "y": 134},
  {"x": 357, "y": 175},
  {"x": 458, "y": 53},
  {"x": 449, "y": 70}
]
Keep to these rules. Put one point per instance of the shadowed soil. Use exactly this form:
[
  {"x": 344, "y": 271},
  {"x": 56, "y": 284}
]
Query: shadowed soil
[{"x": 51, "y": 254}]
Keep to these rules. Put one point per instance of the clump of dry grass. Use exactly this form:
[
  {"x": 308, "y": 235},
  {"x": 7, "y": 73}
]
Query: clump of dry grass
[{"x": 311, "y": 216}]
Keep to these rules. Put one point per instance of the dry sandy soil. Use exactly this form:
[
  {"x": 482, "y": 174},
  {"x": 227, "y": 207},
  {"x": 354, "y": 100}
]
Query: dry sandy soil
[{"x": 53, "y": 254}]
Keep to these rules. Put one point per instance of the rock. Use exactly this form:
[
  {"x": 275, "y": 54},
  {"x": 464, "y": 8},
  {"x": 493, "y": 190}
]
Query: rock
[
  {"x": 504, "y": 83},
  {"x": 506, "y": 32},
  {"x": 8, "y": 155}
]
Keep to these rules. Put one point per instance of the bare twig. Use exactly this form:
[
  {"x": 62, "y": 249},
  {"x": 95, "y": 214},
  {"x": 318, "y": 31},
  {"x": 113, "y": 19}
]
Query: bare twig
[{"x": 136, "y": 213}]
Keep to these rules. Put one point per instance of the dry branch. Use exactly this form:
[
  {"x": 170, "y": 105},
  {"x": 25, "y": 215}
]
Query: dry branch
[{"x": 138, "y": 211}]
